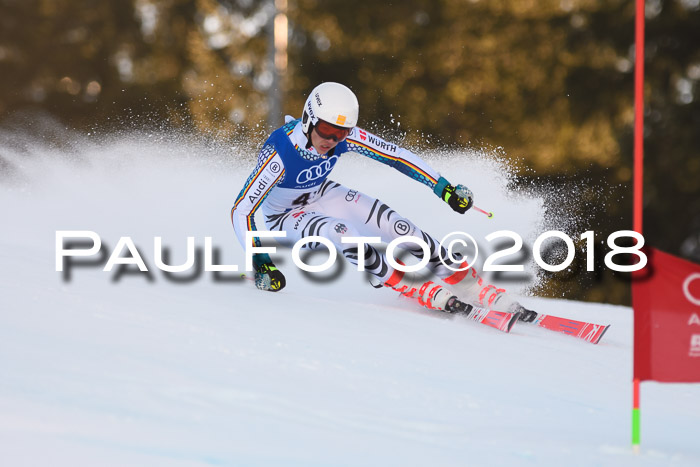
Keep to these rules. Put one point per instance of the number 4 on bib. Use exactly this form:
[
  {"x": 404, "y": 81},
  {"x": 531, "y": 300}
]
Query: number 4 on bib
[{"x": 302, "y": 200}]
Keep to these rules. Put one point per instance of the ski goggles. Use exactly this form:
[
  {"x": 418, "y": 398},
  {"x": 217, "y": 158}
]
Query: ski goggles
[{"x": 327, "y": 131}]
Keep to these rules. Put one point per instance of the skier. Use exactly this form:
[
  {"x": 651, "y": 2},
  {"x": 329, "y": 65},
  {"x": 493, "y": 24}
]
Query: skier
[{"x": 290, "y": 182}]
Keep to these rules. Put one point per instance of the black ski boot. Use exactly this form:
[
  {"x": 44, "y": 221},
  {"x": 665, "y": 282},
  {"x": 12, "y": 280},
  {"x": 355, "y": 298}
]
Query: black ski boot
[
  {"x": 526, "y": 316},
  {"x": 454, "y": 305}
]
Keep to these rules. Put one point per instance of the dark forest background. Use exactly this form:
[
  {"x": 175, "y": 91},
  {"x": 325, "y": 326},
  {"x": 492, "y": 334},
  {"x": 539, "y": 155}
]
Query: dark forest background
[{"x": 548, "y": 81}]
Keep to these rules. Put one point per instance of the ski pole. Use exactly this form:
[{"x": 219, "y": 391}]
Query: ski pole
[{"x": 488, "y": 214}]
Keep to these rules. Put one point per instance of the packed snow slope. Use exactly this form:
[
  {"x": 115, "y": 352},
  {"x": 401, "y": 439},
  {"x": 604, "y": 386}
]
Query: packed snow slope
[{"x": 127, "y": 368}]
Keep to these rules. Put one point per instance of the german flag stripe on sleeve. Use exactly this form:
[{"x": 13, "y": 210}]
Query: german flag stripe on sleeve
[
  {"x": 243, "y": 195},
  {"x": 249, "y": 217},
  {"x": 394, "y": 158}
]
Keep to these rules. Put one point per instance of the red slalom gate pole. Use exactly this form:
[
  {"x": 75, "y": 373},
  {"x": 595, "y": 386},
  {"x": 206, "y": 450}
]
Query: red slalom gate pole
[
  {"x": 635, "y": 416},
  {"x": 639, "y": 117},
  {"x": 638, "y": 182}
]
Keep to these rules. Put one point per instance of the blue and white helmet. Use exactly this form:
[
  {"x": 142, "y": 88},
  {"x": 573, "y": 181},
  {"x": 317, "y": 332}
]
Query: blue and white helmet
[{"x": 333, "y": 103}]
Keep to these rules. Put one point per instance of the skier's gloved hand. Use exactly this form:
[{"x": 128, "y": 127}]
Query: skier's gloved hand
[
  {"x": 460, "y": 198},
  {"x": 267, "y": 276}
]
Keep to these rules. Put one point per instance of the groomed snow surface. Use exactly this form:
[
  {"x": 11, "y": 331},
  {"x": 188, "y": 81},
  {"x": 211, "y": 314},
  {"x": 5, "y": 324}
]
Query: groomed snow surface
[{"x": 112, "y": 369}]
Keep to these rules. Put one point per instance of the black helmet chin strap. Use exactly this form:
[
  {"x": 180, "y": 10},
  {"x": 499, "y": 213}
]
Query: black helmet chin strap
[{"x": 308, "y": 136}]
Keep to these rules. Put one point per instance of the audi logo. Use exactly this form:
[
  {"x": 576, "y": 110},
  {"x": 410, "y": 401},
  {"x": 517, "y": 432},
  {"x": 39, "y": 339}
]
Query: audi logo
[{"x": 317, "y": 171}]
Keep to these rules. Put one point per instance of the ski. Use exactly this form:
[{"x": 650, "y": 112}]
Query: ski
[
  {"x": 500, "y": 320},
  {"x": 589, "y": 332}
]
